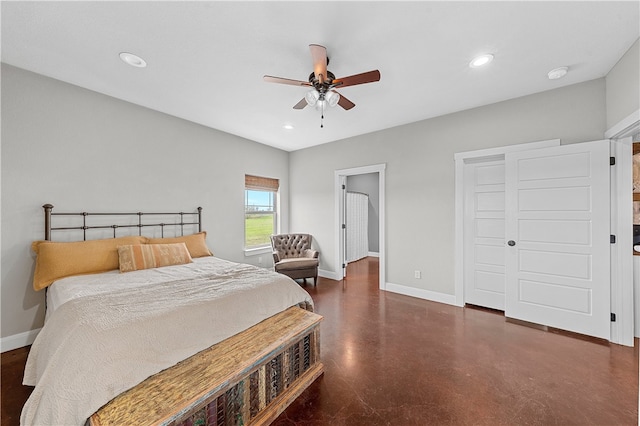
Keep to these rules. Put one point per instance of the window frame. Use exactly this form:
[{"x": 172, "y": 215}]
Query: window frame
[{"x": 265, "y": 185}]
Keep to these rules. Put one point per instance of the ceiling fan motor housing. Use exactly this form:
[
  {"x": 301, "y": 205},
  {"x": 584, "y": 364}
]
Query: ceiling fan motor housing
[{"x": 322, "y": 88}]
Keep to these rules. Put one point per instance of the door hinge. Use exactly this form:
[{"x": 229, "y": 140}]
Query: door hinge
[
  {"x": 344, "y": 266},
  {"x": 612, "y": 161},
  {"x": 612, "y": 239},
  {"x": 344, "y": 226},
  {"x": 613, "y": 317},
  {"x": 345, "y": 187}
]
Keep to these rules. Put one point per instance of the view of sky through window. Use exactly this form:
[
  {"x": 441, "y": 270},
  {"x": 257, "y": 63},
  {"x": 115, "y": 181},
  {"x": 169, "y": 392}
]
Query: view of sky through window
[{"x": 259, "y": 200}]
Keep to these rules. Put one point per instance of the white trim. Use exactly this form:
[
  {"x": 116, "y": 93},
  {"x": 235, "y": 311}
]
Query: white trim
[
  {"x": 501, "y": 150},
  {"x": 625, "y": 298},
  {"x": 420, "y": 293},
  {"x": 329, "y": 274},
  {"x": 256, "y": 251},
  {"x": 375, "y": 168},
  {"x": 373, "y": 254},
  {"x": 458, "y": 256},
  {"x": 629, "y": 126},
  {"x": 19, "y": 340},
  {"x": 636, "y": 293},
  {"x": 339, "y": 211},
  {"x": 460, "y": 159},
  {"x": 622, "y": 302}
]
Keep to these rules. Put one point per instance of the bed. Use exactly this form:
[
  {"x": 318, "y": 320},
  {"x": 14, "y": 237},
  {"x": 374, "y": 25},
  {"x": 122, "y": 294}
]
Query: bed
[{"x": 110, "y": 336}]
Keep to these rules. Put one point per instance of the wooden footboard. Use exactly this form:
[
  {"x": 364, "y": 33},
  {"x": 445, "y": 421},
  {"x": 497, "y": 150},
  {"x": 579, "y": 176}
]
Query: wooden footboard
[{"x": 249, "y": 378}]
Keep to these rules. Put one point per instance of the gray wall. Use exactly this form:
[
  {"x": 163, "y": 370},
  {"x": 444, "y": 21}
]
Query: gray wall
[
  {"x": 81, "y": 150},
  {"x": 623, "y": 86},
  {"x": 368, "y": 184},
  {"x": 420, "y": 174}
]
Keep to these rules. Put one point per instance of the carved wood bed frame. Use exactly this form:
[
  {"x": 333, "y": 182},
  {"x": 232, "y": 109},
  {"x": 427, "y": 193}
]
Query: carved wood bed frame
[{"x": 249, "y": 378}]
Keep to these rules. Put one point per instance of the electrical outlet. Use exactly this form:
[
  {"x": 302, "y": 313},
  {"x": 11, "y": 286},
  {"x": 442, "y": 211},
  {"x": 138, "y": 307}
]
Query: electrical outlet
[{"x": 417, "y": 274}]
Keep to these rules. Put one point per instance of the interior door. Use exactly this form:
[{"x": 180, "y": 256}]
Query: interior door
[
  {"x": 557, "y": 227},
  {"x": 357, "y": 221},
  {"x": 484, "y": 278}
]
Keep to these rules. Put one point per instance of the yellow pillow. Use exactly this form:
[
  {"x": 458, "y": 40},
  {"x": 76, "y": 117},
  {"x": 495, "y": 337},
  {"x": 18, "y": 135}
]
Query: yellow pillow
[
  {"x": 57, "y": 260},
  {"x": 146, "y": 256},
  {"x": 196, "y": 243}
]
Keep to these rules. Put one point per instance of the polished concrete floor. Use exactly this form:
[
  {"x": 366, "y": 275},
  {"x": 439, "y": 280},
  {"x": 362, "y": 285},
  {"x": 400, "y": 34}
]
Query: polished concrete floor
[{"x": 395, "y": 360}]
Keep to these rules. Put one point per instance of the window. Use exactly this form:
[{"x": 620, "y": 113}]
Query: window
[{"x": 260, "y": 210}]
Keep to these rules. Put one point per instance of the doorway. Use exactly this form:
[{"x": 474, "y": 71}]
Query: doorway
[
  {"x": 342, "y": 177},
  {"x": 362, "y": 217}
]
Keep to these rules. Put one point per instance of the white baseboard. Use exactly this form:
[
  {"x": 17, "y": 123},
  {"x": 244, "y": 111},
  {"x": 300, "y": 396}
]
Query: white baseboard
[
  {"x": 433, "y": 296},
  {"x": 20, "y": 340},
  {"x": 374, "y": 254},
  {"x": 336, "y": 276}
]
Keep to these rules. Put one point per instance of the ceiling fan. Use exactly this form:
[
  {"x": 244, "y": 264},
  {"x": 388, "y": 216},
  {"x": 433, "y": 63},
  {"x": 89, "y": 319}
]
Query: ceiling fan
[{"x": 324, "y": 84}]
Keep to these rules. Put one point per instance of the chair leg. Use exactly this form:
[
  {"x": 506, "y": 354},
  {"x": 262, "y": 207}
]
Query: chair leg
[{"x": 315, "y": 281}]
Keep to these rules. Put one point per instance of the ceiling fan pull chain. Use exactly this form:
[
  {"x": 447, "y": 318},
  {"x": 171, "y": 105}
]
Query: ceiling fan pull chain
[{"x": 322, "y": 117}]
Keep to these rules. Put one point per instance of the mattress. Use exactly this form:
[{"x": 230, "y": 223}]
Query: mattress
[{"x": 105, "y": 333}]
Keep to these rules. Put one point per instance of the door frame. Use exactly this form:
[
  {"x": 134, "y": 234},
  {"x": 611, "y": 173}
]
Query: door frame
[
  {"x": 625, "y": 300},
  {"x": 622, "y": 295},
  {"x": 339, "y": 177}
]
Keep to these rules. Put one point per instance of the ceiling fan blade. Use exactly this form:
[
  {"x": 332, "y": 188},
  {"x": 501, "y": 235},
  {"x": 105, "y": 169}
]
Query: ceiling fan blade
[
  {"x": 344, "y": 102},
  {"x": 301, "y": 104},
  {"x": 271, "y": 79},
  {"x": 319, "y": 56},
  {"x": 352, "y": 80}
]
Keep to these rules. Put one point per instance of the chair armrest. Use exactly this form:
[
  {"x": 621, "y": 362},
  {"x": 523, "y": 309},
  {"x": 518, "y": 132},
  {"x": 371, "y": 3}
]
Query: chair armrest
[
  {"x": 311, "y": 253},
  {"x": 276, "y": 257}
]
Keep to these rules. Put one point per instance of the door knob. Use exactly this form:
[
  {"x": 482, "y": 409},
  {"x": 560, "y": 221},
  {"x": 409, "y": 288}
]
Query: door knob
[{"x": 511, "y": 243}]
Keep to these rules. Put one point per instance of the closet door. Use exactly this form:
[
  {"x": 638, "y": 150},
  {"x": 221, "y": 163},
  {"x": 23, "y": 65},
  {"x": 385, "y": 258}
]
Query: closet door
[
  {"x": 484, "y": 274},
  {"x": 557, "y": 234},
  {"x": 357, "y": 226}
]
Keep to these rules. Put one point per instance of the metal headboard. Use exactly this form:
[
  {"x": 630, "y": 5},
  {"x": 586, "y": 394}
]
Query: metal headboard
[{"x": 48, "y": 213}]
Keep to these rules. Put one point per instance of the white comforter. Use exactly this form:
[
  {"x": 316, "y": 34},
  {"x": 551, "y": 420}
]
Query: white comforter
[{"x": 98, "y": 343}]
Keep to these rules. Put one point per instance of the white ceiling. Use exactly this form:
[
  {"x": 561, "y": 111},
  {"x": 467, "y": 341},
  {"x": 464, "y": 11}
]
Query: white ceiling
[{"x": 206, "y": 59}]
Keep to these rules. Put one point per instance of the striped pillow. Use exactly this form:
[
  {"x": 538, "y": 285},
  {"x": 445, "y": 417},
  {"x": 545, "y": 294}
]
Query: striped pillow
[{"x": 146, "y": 256}]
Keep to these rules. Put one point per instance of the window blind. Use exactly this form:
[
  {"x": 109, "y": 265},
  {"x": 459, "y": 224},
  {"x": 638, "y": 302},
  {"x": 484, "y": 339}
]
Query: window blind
[{"x": 261, "y": 183}]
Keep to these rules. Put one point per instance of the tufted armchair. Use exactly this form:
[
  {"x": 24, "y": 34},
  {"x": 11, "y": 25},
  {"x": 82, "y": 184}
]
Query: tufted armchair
[{"x": 293, "y": 256}]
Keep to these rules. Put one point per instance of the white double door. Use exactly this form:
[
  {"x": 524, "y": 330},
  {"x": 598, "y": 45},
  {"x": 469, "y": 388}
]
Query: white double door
[{"x": 537, "y": 236}]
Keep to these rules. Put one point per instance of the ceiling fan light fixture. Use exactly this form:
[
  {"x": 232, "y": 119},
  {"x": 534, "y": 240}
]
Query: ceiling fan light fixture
[
  {"x": 332, "y": 98},
  {"x": 312, "y": 97},
  {"x": 481, "y": 60}
]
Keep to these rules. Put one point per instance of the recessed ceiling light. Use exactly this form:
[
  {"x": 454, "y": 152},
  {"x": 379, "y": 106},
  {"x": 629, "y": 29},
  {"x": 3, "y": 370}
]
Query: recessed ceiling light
[
  {"x": 558, "y": 73},
  {"x": 288, "y": 126},
  {"x": 481, "y": 60},
  {"x": 133, "y": 60}
]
